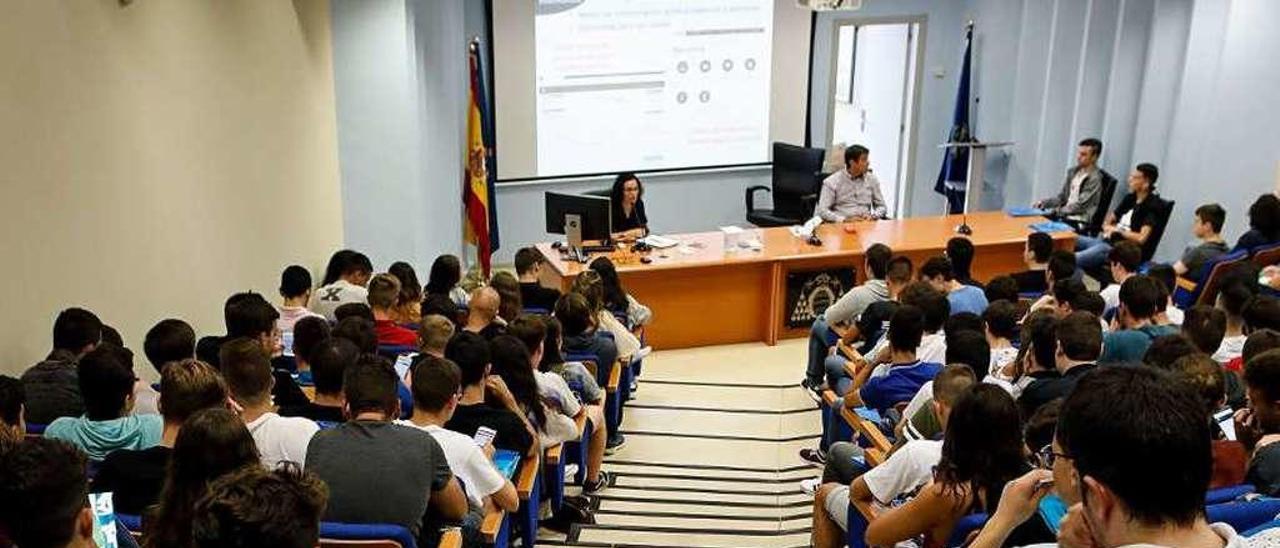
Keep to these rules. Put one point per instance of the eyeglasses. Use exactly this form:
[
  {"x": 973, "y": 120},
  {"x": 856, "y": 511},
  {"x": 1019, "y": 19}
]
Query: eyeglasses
[{"x": 1047, "y": 456}]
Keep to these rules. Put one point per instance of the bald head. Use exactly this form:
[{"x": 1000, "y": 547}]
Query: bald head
[{"x": 484, "y": 303}]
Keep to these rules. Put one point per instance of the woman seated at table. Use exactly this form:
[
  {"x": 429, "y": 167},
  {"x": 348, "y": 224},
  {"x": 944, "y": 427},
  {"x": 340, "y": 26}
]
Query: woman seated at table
[{"x": 627, "y": 201}]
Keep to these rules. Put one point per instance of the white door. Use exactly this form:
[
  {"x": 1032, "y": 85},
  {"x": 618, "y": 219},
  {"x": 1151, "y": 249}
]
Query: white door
[{"x": 877, "y": 61}]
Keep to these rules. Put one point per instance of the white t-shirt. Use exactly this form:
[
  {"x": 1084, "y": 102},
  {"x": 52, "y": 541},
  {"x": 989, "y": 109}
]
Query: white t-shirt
[
  {"x": 1001, "y": 357},
  {"x": 328, "y": 298},
  {"x": 905, "y": 472},
  {"x": 282, "y": 438},
  {"x": 146, "y": 399},
  {"x": 1110, "y": 296},
  {"x": 1174, "y": 314},
  {"x": 478, "y": 474},
  {"x": 554, "y": 388},
  {"x": 289, "y": 315},
  {"x": 1231, "y": 348}
]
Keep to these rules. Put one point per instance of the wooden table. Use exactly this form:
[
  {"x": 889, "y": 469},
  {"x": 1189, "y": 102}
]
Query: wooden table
[{"x": 702, "y": 294}]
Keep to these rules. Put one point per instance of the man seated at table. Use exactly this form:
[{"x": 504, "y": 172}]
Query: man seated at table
[
  {"x": 852, "y": 193},
  {"x": 1081, "y": 193}
]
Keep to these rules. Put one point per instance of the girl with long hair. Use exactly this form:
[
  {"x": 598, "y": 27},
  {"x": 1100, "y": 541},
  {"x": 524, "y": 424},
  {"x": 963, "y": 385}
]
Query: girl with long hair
[{"x": 616, "y": 298}]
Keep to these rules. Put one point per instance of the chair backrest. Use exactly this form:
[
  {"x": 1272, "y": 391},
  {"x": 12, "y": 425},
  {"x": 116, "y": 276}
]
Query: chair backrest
[
  {"x": 1207, "y": 290},
  {"x": 1244, "y": 515},
  {"x": 1108, "y": 190},
  {"x": 535, "y": 311},
  {"x": 797, "y": 172},
  {"x": 1227, "y": 494},
  {"x": 1266, "y": 255},
  {"x": 365, "y": 535},
  {"x": 35, "y": 430},
  {"x": 1157, "y": 230}
]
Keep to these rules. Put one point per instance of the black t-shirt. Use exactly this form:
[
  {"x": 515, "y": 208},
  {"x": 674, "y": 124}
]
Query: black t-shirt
[
  {"x": 318, "y": 413},
  {"x": 1254, "y": 238},
  {"x": 1264, "y": 470},
  {"x": 1145, "y": 213},
  {"x": 440, "y": 303},
  {"x": 874, "y": 322},
  {"x": 1050, "y": 387},
  {"x": 637, "y": 219},
  {"x": 133, "y": 477},
  {"x": 493, "y": 330},
  {"x": 1031, "y": 281},
  {"x": 535, "y": 295},
  {"x": 511, "y": 433},
  {"x": 286, "y": 391}
]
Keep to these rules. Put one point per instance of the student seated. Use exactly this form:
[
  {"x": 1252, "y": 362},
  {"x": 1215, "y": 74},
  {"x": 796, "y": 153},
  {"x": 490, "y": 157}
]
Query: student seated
[
  {"x": 470, "y": 352},
  {"x": 866, "y": 332},
  {"x": 616, "y": 298},
  {"x": 436, "y": 384},
  {"x": 1208, "y": 379},
  {"x": 249, "y": 315},
  {"x": 965, "y": 347},
  {"x": 345, "y": 281},
  {"x": 329, "y": 362},
  {"x": 53, "y": 390},
  {"x": 168, "y": 341},
  {"x": 1205, "y": 326},
  {"x": 1139, "y": 302},
  {"x": 482, "y": 316},
  {"x": 106, "y": 384},
  {"x": 308, "y": 333},
  {"x": 360, "y": 332},
  {"x": 1206, "y": 227},
  {"x": 44, "y": 496},
  {"x": 550, "y": 418},
  {"x": 1123, "y": 262},
  {"x": 256, "y": 507},
  {"x": 1134, "y": 220},
  {"x": 906, "y": 470},
  {"x": 1035, "y": 278},
  {"x": 510, "y": 305},
  {"x": 212, "y": 443},
  {"x": 378, "y": 471},
  {"x": 963, "y": 298},
  {"x": 906, "y": 373},
  {"x": 353, "y": 310},
  {"x": 1264, "y": 223},
  {"x": 843, "y": 313},
  {"x": 433, "y": 334},
  {"x": 1103, "y": 470},
  {"x": 136, "y": 476},
  {"x": 408, "y": 309},
  {"x": 927, "y": 423},
  {"x": 442, "y": 295},
  {"x": 529, "y": 263},
  {"x": 1038, "y": 357},
  {"x": 1166, "y": 282},
  {"x": 295, "y": 290},
  {"x": 1079, "y": 341},
  {"x": 981, "y": 451},
  {"x": 1001, "y": 320},
  {"x": 590, "y": 285},
  {"x": 1258, "y": 427},
  {"x": 576, "y": 374},
  {"x": 384, "y": 296},
  {"x": 1002, "y": 288},
  {"x": 1262, "y": 312},
  {"x": 1232, "y": 298},
  {"x": 13, "y": 426},
  {"x": 552, "y": 388},
  {"x": 248, "y": 374}
]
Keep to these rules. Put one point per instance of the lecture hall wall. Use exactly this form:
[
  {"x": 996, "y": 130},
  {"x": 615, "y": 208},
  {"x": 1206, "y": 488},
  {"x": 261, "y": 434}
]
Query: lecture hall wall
[{"x": 158, "y": 157}]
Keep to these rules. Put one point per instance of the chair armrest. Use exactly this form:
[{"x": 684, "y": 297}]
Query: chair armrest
[
  {"x": 491, "y": 525},
  {"x": 868, "y": 430},
  {"x": 310, "y": 392},
  {"x": 873, "y": 456},
  {"x": 863, "y": 508},
  {"x": 451, "y": 538},
  {"x": 808, "y": 202},
  {"x": 751, "y": 195},
  {"x": 553, "y": 454},
  {"x": 615, "y": 377},
  {"x": 1186, "y": 284},
  {"x": 830, "y": 399},
  {"x": 849, "y": 370},
  {"x": 527, "y": 476}
]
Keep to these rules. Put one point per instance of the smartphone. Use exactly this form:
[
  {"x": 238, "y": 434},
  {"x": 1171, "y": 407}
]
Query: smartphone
[
  {"x": 1226, "y": 421},
  {"x": 403, "y": 362},
  {"x": 104, "y": 520},
  {"x": 484, "y": 436}
]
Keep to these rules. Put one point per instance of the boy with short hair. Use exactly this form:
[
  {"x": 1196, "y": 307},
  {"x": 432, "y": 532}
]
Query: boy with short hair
[
  {"x": 256, "y": 507},
  {"x": 295, "y": 289},
  {"x": 434, "y": 334},
  {"x": 1140, "y": 300},
  {"x": 167, "y": 341},
  {"x": 1207, "y": 227},
  {"x": 1124, "y": 260},
  {"x": 348, "y": 288},
  {"x": 1232, "y": 299},
  {"x": 529, "y": 262},
  {"x": 384, "y": 295},
  {"x": 329, "y": 361},
  {"x": 53, "y": 389},
  {"x": 44, "y": 495},
  {"x": 906, "y": 373},
  {"x": 470, "y": 352},
  {"x": 1079, "y": 341},
  {"x": 106, "y": 383},
  {"x": 1036, "y": 254},
  {"x": 963, "y": 298},
  {"x": 1205, "y": 326},
  {"x": 247, "y": 369}
]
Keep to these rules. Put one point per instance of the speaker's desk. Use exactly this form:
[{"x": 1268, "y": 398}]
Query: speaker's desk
[{"x": 702, "y": 294}]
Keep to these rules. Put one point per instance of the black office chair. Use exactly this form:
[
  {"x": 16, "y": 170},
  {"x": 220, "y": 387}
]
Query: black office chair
[
  {"x": 1157, "y": 230},
  {"x": 797, "y": 179},
  {"x": 1108, "y": 190}
]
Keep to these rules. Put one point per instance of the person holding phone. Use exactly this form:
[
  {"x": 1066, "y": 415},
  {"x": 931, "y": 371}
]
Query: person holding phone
[{"x": 627, "y": 200}]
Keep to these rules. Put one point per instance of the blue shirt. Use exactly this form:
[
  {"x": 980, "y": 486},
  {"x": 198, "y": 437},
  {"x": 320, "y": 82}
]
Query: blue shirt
[
  {"x": 899, "y": 385},
  {"x": 1129, "y": 345},
  {"x": 967, "y": 299}
]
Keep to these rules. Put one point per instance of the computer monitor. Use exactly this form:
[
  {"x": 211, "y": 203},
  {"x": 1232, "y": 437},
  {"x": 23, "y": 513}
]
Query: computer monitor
[{"x": 593, "y": 212}]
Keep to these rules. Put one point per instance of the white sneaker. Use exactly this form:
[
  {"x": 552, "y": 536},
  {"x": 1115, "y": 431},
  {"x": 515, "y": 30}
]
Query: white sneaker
[
  {"x": 570, "y": 470},
  {"x": 810, "y": 486}
]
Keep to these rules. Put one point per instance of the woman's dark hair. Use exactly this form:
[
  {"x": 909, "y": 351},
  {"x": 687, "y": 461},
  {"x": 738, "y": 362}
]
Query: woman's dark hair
[
  {"x": 551, "y": 355},
  {"x": 410, "y": 289},
  {"x": 619, "y": 183},
  {"x": 446, "y": 272},
  {"x": 615, "y": 297},
  {"x": 213, "y": 442},
  {"x": 1264, "y": 215},
  {"x": 337, "y": 265},
  {"x": 511, "y": 362},
  {"x": 510, "y": 304},
  {"x": 982, "y": 447}
]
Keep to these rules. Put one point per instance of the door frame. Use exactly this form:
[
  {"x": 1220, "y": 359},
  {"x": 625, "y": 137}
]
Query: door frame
[{"x": 907, "y": 156}]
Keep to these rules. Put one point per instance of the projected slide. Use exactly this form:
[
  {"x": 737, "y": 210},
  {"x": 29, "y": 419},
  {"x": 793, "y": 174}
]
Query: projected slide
[{"x": 651, "y": 84}]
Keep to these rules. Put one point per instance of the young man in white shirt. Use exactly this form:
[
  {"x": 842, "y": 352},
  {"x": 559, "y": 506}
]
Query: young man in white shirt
[
  {"x": 437, "y": 385},
  {"x": 247, "y": 369},
  {"x": 1232, "y": 299},
  {"x": 1124, "y": 260},
  {"x": 295, "y": 289},
  {"x": 347, "y": 287}
]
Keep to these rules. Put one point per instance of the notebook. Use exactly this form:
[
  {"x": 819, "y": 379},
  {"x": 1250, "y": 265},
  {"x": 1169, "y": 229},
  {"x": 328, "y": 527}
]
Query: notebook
[
  {"x": 1051, "y": 226},
  {"x": 1024, "y": 211}
]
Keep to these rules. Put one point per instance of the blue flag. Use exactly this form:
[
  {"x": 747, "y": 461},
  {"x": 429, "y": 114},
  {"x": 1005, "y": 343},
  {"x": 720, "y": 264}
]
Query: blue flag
[{"x": 955, "y": 164}]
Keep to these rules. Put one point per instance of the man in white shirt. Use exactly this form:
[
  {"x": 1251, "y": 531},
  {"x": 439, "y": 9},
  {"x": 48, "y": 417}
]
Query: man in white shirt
[
  {"x": 1232, "y": 299},
  {"x": 247, "y": 369},
  {"x": 853, "y": 193},
  {"x": 295, "y": 289},
  {"x": 349, "y": 287},
  {"x": 437, "y": 385}
]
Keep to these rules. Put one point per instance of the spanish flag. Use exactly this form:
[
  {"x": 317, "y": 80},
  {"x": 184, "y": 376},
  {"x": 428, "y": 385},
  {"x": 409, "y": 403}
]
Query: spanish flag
[{"x": 477, "y": 182}]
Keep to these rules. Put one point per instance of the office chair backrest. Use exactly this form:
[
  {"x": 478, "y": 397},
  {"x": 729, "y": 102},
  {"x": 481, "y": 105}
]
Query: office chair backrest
[
  {"x": 1157, "y": 229},
  {"x": 1108, "y": 191},
  {"x": 796, "y": 172}
]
